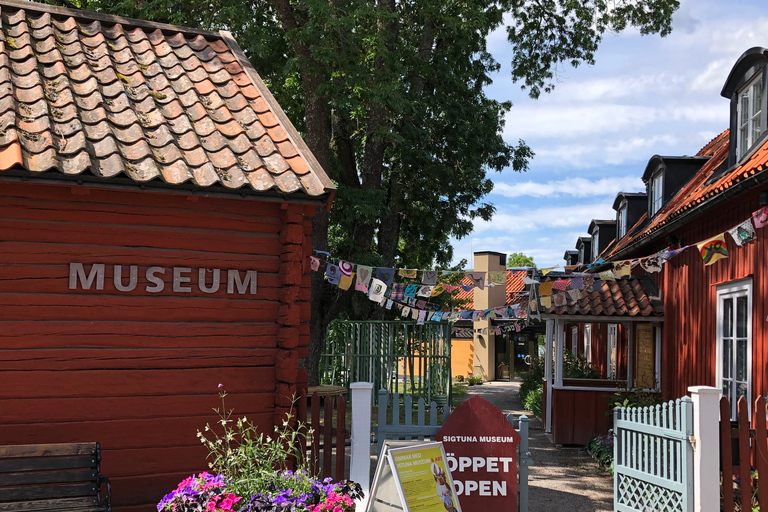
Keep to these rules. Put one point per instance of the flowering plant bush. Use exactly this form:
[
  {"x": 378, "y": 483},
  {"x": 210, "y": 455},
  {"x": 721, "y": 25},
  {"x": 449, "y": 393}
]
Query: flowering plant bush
[
  {"x": 251, "y": 475},
  {"x": 297, "y": 491},
  {"x": 201, "y": 493}
]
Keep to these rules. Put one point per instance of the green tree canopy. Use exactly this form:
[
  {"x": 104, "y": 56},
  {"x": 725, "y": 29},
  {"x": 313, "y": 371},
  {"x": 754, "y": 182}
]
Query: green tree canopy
[
  {"x": 518, "y": 259},
  {"x": 390, "y": 98}
]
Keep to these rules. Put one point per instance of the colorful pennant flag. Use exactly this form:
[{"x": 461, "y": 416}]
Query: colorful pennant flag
[
  {"x": 377, "y": 290},
  {"x": 386, "y": 275},
  {"x": 409, "y": 273},
  {"x": 622, "y": 269},
  {"x": 560, "y": 284},
  {"x": 437, "y": 290},
  {"x": 422, "y": 317},
  {"x": 499, "y": 278},
  {"x": 743, "y": 233},
  {"x": 361, "y": 287},
  {"x": 528, "y": 280},
  {"x": 333, "y": 274},
  {"x": 346, "y": 268},
  {"x": 406, "y": 311},
  {"x": 429, "y": 277},
  {"x": 425, "y": 291},
  {"x": 713, "y": 249},
  {"x": 577, "y": 283},
  {"x": 477, "y": 279},
  {"x": 546, "y": 288},
  {"x": 364, "y": 275},
  {"x": 546, "y": 302},
  {"x": 575, "y": 295},
  {"x": 760, "y": 217},
  {"x": 314, "y": 263},
  {"x": 398, "y": 292},
  {"x": 345, "y": 281},
  {"x": 559, "y": 299},
  {"x": 607, "y": 275}
]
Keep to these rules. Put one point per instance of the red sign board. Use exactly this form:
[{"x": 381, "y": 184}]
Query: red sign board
[{"x": 481, "y": 453}]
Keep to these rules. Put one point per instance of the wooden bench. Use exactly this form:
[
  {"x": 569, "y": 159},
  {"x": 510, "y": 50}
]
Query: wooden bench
[{"x": 48, "y": 477}]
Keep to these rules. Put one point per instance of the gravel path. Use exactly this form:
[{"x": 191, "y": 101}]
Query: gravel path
[{"x": 564, "y": 479}]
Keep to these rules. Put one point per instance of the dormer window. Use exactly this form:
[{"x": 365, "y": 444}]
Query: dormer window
[
  {"x": 750, "y": 107},
  {"x": 581, "y": 254},
  {"x": 621, "y": 220},
  {"x": 657, "y": 192}
]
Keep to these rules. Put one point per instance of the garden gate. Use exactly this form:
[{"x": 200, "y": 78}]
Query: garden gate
[
  {"x": 653, "y": 457},
  {"x": 399, "y": 356}
]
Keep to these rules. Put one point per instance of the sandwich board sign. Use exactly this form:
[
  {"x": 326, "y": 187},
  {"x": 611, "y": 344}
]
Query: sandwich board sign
[
  {"x": 481, "y": 446},
  {"x": 414, "y": 478}
]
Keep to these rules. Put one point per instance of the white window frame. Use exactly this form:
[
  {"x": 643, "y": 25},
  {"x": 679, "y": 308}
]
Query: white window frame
[
  {"x": 657, "y": 192},
  {"x": 745, "y": 128},
  {"x": 588, "y": 342},
  {"x": 612, "y": 342},
  {"x": 621, "y": 220},
  {"x": 575, "y": 341},
  {"x": 733, "y": 290},
  {"x": 595, "y": 243}
]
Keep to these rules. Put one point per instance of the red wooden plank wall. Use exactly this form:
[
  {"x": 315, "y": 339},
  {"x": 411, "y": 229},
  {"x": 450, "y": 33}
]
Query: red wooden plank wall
[
  {"x": 578, "y": 416},
  {"x": 690, "y": 307},
  {"x": 137, "y": 371}
]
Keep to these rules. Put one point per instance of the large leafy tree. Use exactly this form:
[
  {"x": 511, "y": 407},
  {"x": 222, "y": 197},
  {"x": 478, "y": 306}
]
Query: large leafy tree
[{"x": 389, "y": 95}]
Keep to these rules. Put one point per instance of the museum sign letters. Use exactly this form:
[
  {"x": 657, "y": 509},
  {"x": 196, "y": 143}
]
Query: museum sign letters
[{"x": 178, "y": 279}]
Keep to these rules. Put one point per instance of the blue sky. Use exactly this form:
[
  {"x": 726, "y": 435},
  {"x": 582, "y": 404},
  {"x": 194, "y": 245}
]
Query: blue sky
[{"x": 594, "y": 134}]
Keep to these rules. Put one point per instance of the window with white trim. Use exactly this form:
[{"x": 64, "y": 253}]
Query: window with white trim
[
  {"x": 588, "y": 342},
  {"x": 595, "y": 251},
  {"x": 613, "y": 335},
  {"x": 734, "y": 341},
  {"x": 575, "y": 341},
  {"x": 750, "y": 107},
  {"x": 621, "y": 220},
  {"x": 657, "y": 192}
]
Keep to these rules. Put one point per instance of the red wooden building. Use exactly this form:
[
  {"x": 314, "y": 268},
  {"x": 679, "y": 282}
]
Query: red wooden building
[
  {"x": 155, "y": 213},
  {"x": 714, "y": 316}
]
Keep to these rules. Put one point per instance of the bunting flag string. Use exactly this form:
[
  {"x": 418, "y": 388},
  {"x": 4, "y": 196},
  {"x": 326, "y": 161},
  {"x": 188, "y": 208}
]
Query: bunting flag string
[{"x": 379, "y": 285}]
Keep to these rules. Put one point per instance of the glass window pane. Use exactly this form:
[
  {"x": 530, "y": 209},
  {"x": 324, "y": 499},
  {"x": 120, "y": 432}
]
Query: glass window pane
[
  {"x": 741, "y": 317},
  {"x": 741, "y": 360},
  {"x": 727, "y": 318},
  {"x": 727, "y": 355},
  {"x": 744, "y": 113},
  {"x": 741, "y": 390},
  {"x": 756, "y": 128},
  {"x": 743, "y": 140},
  {"x": 757, "y": 98},
  {"x": 727, "y": 390}
]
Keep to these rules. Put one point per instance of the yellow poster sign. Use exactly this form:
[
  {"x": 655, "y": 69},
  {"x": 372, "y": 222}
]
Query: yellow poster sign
[
  {"x": 425, "y": 479},
  {"x": 413, "y": 479}
]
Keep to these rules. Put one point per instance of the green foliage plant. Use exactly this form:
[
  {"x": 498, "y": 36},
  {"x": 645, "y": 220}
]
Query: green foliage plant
[
  {"x": 249, "y": 459},
  {"x": 518, "y": 259},
  {"x": 601, "y": 449}
]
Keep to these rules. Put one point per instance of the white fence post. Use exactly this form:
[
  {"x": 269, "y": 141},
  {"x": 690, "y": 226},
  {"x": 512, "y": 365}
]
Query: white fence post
[
  {"x": 360, "y": 457},
  {"x": 706, "y": 458}
]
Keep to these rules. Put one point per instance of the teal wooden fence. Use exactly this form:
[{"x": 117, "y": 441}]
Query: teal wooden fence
[
  {"x": 653, "y": 457},
  {"x": 400, "y": 357}
]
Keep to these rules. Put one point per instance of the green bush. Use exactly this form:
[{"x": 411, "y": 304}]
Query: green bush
[
  {"x": 534, "y": 401},
  {"x": 601, "y": 449}
]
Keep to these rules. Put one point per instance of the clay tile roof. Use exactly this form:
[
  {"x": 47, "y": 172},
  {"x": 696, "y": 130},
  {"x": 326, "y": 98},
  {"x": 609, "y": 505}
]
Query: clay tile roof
[
  {"x": 85, "y": 92},
  {"x": 635, "y": 296},
  {"x": 515, "y": 286}
]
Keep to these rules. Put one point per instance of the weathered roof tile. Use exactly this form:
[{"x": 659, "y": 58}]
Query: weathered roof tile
[{"x": 129, "y": 97}]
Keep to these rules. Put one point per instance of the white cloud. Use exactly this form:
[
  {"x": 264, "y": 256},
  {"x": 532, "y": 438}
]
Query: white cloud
[
  {"x": 512, "y": 219},
  {"x": 576, "y": 187}
]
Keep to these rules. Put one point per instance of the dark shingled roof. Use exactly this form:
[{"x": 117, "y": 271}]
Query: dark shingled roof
[
  {"x": 83, "y": 91},
  {"x": 635, "y": 296}
]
